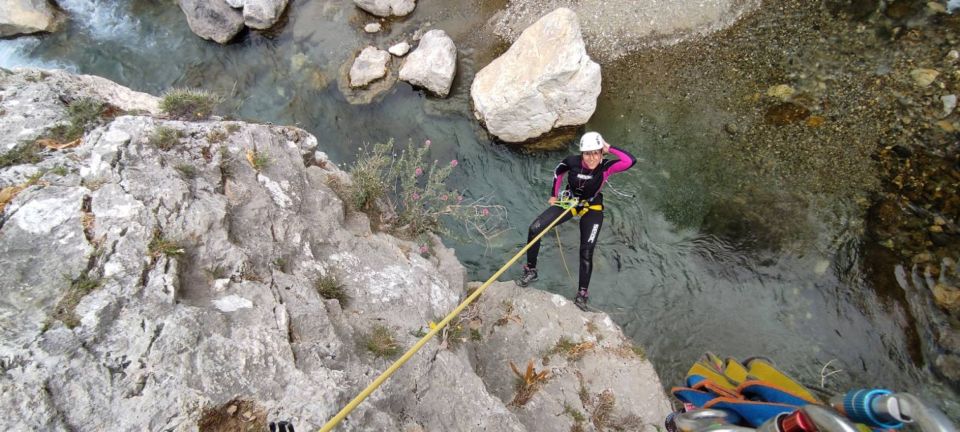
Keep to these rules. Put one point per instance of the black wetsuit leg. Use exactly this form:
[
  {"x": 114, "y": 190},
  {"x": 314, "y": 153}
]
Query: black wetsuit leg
[
  {"x": 537, "y": 226},
  {"x": 590, "y": 225}
]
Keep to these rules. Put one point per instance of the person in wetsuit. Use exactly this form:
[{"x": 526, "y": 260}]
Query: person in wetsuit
[{"x": 586, "y": 173}]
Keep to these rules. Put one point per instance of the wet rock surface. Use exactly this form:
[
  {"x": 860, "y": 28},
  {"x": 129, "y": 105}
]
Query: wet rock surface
[{"x": 191, "y": 273}]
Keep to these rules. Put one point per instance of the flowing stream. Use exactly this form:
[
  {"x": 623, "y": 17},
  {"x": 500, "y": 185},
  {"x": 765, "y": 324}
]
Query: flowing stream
[{"x": 676, "y": 288}]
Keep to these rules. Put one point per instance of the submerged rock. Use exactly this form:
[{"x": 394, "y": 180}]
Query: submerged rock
[
  {"x": 433, "y": 64},
  {"x": 191, "y": 289},
  {"x": 21, "y": 17},
  {"x": 212, "y": 19},
  {"x": 369, "y": 66},
  {"x": 786, "y": 113},
  {"x": 545, "y": 80}
]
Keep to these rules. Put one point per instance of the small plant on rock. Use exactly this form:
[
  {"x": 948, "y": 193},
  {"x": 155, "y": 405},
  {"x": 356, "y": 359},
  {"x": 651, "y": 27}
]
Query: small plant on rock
[
  {"x": 66, "y": 307},
  {"x": 381, "y": 342},
  {"x": 188, "y": 104},
  {"x": 188, "y": 171},
  {"x": 82, "y": 114},
  {"x": 259, "y": 160},
  {"x": 160, "y": 246},
  {"x": 527, "y": 383},
  {"x": 165, "y": 138},
  {"x": 330, "y": 288},
  {"x": 25, "y": 153}
]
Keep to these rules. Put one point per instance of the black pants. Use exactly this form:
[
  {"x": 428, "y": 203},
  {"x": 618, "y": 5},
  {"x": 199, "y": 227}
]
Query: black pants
[{"x": 590, "y": 224}]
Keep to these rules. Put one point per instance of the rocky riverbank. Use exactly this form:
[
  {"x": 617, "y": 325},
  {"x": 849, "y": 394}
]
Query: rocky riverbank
[{"x": 170, "y": 274}]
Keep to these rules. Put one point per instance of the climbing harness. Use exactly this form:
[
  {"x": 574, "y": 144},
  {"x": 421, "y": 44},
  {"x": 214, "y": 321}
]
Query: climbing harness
[
  {"x": 577, "y": 206},
  {"x": 434, "y": 329},
  {"x": 732, "y": 396}
]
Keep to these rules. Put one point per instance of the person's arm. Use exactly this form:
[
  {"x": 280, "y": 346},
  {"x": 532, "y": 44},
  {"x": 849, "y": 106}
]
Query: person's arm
[
  {"x": 558, "y": 174},
  {"x": 624, "y": 162}
]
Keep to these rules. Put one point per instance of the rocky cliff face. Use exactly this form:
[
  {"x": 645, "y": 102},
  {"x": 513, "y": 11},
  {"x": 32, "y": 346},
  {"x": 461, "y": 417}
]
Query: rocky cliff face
[{"x": 162, "y": 275}]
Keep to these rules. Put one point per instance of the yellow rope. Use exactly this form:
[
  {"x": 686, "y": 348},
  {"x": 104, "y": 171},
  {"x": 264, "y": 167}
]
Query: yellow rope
[
  {"x": 433, "y": 331},
  {"x": 563, "y": 259}
]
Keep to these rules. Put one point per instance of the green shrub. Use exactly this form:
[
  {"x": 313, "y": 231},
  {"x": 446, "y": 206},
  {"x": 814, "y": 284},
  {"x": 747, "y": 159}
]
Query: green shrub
[
  {"x": 164, "y": 138},
  {"x": 381, "y": 342},
  {"x": 417, "y": 192},
  {"x": 188, "y": 104},
  {"x": 258, "y": 159}
]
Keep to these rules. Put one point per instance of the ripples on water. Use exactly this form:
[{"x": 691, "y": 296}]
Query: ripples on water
[{"x": 674, "y": 289}]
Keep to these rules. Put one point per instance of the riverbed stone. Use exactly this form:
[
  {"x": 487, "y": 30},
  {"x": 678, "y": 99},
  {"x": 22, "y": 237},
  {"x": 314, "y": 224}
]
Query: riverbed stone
[
  {"x": 372, "y": 27},
  {"x": 21, "y": 17},
  {"x": 924, "y": 77},
  {"x": 369, "y": 66},
  {"x": 212, "y": 19},
  {"x": 400, "y": 49},
  {"x": 545, "y": 80},
  {"x": 433, "y": 64},
  {"x": 386, "y": 8}
]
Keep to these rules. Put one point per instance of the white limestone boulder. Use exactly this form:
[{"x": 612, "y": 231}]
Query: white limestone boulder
[
  {"x": 20, "y": 17},
  {"x": 212, "y": 19},
  {"x": 545, "y": 80},
  {"x": 385, "y": 8},
  {"x": 262, "y": 14},
  {"x": 369, "y": 66},
  {"x": 433, "y": 64}
]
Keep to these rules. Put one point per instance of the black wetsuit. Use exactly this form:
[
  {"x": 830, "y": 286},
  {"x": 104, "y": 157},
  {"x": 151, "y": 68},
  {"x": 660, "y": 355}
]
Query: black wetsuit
[{"x": 585, "y": 184}]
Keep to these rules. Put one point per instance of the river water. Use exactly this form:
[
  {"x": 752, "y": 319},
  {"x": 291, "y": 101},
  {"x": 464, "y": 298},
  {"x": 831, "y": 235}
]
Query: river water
[{"x": 690, "y": 259}]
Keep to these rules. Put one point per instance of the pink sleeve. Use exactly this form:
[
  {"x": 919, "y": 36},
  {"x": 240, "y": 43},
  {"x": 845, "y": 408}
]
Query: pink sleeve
[{"x": 624, "y": 162}]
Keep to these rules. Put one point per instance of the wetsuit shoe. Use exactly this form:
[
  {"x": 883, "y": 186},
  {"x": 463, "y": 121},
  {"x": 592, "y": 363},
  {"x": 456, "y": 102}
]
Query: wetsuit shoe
[
  {"x": 581, "y": 300},
  {"x": 529, "y": 275}
]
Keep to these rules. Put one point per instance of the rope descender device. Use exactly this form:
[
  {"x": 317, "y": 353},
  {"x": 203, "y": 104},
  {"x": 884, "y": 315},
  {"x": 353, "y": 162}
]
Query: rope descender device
[{"x": 577, "y": 207}]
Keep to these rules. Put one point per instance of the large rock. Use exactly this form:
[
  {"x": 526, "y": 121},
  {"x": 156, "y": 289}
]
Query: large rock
[
  {"x": 204, "y": 271},
  {"x": 260, "y": 14},
  {"x": 544, "y": 81},
  {"x": 387, "y": 8},
  {"x": 20, "y": 17},
  {"x": 433, "y": 64},
  {"x": 369, "y": 66},
  {"x": 212, "y": 19}
]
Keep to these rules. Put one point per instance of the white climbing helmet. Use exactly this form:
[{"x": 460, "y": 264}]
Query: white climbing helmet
[{"x": 591, "y": 141}]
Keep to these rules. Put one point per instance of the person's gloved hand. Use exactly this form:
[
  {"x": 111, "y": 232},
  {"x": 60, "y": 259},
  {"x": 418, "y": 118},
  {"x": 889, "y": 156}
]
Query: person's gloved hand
[{"x": 281, "y": 426}]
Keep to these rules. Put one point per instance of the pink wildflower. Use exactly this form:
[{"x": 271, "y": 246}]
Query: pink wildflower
[
  {"x": 418, "y": 172},
  {"x": 424, "y": 249},
  {"x": 453, "y": 163},
  {"x": 427, "y": 143},
  {"x": 443, "y": 197},
  {"x": 485, "y": 212},
  {"x": 415, "y": 196}
]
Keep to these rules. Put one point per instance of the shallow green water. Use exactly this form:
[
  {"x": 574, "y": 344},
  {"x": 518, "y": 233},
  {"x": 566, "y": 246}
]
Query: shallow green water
[{"x": 675, "y": 290}]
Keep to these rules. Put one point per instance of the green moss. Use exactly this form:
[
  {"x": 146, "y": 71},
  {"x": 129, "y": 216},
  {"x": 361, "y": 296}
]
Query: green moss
[{"x": 187, "y": 170}]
